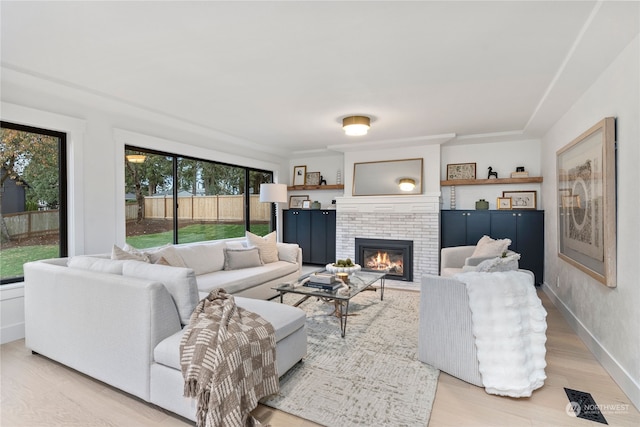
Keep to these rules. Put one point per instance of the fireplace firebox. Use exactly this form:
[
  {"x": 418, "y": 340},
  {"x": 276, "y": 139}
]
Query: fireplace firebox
[{"x": 383, "y": 254}]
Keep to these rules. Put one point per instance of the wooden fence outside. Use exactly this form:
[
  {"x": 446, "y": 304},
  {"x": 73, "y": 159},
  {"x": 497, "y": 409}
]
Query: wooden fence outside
[
  {"x": 32, "y": 223},
  {"x": 196, "y": 208},
  {"x": 202, "y": 208}
]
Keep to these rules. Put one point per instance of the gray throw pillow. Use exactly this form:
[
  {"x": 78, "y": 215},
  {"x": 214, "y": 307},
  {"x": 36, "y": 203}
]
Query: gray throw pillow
[{"x": 236, "y": 259}]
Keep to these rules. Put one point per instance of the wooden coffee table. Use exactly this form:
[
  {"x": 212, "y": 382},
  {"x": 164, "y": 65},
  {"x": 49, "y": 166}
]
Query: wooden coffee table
[{"x": 358, "y": 282}]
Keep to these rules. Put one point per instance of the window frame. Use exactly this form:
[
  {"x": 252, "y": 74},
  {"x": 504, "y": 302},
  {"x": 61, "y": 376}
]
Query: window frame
[
  {"x": 174, "y": 158},
  {"x": 63, "y": 231}
]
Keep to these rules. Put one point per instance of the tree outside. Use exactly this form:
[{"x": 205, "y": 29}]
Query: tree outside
[{"x": 29, "y": 164}]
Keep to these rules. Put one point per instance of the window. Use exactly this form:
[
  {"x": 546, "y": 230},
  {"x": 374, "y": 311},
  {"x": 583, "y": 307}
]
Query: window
[
  {"x": 32, "y": 198},
  {"x": 178, "y": 199}
]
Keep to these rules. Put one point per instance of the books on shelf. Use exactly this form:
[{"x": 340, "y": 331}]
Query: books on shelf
[{"x": 519, "y": 174}]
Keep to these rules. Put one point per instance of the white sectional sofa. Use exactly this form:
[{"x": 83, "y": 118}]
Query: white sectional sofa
[{"x": 121, "y": 321}]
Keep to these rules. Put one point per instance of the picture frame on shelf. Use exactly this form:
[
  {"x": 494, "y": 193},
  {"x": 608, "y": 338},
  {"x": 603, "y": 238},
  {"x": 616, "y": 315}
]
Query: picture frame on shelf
[
  {"x": 586, "y": 182},
  {"x": 306, "y": 204},
  {"x": 312, "y": 178},
  {"x": 299, "y": 175},
  {"x": 461, "y": 171},
  {"x": 296, "y": 202},
  {"x": 504, "y": 203},
  {"x": 522, "y": 199}
]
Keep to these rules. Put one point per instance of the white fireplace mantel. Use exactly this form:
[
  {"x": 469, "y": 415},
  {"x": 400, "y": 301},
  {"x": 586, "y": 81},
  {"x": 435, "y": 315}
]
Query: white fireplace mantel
[{"x": 426, "y": 203}]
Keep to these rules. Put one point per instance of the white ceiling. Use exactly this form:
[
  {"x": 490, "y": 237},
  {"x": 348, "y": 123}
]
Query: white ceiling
[{"x": 283, "y": 74}]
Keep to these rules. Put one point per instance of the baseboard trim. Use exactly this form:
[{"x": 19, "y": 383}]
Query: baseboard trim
[
  {"x": 625, "y": 381},
  {"x": 12, "y": 308},
  {"x": 11, "y": 333}
]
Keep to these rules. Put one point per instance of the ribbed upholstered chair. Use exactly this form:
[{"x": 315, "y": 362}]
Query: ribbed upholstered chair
[{"x": 445, "y": 338}]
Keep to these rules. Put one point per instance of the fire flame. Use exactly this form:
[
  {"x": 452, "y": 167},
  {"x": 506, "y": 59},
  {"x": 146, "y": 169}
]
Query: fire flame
[{"x": 381, "y": 261}]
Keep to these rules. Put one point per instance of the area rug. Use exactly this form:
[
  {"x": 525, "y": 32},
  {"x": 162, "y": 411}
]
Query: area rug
[{"x": 370, "y": 377}]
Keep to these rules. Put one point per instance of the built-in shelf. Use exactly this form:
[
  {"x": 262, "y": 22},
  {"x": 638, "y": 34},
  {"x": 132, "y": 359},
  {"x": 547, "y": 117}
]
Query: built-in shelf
[
  {"x": 528, "y": 180},
  {"x": 316, "y": 187}
]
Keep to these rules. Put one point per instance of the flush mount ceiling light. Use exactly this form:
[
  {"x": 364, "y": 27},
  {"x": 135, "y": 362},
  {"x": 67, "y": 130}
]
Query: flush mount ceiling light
[
  {"x": 356, "y": 125},
  {"x": 407, "y": 184},
  {"x": 136, "y": 158}
]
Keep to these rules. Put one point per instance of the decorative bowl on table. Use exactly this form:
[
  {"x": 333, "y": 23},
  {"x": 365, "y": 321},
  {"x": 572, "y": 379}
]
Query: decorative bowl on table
[{"x": 332, "y": 268}]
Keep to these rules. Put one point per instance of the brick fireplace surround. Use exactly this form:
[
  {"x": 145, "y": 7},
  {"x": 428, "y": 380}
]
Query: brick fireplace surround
[{"x": 392, "y": 217}]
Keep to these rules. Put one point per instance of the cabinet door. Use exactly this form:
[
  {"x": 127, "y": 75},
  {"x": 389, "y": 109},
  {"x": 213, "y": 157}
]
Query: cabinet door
[
  {"x": 526, "y": 231},
  {"x": 297, "y": 229},
  {"x": 323, "y": 236},
  {"x": 453, "y": 228},
  {"x": 289, "y": 224},
  {"x": 530, "y": 230},
  {"x": 478, "y": 224},
  {"x": 504, "y": 226}
]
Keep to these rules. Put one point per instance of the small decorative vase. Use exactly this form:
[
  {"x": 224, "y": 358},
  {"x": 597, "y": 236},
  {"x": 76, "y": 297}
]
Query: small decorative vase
[
  {"x": 315, "y": 205},
  {"x": 482, "y": 205}
]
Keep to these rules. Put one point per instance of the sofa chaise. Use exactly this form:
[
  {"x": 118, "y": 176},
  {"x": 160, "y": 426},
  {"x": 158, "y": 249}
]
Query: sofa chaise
[{"x": 121, "y": 321}]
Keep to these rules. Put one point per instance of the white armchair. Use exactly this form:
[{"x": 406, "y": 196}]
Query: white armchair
[{"x": 449, "y": 335}]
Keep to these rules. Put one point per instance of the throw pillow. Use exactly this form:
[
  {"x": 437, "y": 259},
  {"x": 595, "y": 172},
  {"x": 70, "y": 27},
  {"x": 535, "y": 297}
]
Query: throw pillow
[
  {"x": 236, "y": 259},
  {"x": 168, "y": 253},
  {"x": 488, "y": 247},
  {"x": 266, "y": 246},
  {"x": 288, "y": 252},
  {"x": 235, "y": 245},
  {"x": 492, "y": 265},
  {"x": 121, "y": 254},
  {"x": 180, "y": 282},
  {"x": 203, "y": 257}
]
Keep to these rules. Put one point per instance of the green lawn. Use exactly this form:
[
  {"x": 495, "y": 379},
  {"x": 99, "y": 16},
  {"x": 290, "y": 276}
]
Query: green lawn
[
  {"x": 11, "y": 260},
  {"x": 196, "y": 233}
]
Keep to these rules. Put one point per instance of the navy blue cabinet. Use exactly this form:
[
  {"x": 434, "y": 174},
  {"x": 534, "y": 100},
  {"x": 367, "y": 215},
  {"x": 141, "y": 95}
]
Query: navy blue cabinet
[
  {"x": 524, "y": 228},
  {"x": 315, "y": 232},
  {"x": 459, "y": 228}
]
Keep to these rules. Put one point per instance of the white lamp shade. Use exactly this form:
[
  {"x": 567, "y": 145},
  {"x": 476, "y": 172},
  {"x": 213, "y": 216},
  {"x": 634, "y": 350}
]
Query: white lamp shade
[{"x": 274, "y": 193}]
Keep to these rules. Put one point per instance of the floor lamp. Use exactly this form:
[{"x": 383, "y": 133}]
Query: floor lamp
[{"x": 273, "y": 193}]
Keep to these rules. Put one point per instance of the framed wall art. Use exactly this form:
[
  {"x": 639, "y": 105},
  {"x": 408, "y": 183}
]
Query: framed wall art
[
  {"x": 461, "y": 171},
  {"x": 522, "y": 199},
  {"x": 297, "y": 201},
  {"x": 299, "y": 175},
  {"x": 504, "y": 203},
  {"x": 587, "y": 202},
  {"x": 312, "y": 178}
]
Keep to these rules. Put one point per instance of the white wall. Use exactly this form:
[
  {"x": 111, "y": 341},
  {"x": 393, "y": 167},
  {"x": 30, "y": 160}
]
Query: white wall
[
  {"x": 504, "y": 157},
  {"x": 608, "y": 320},
  {"x": 328, "y": 165}
]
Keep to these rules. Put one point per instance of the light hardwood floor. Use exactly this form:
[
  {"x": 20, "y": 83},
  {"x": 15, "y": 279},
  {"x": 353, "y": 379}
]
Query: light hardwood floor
[{"x": 39, "y": 392}]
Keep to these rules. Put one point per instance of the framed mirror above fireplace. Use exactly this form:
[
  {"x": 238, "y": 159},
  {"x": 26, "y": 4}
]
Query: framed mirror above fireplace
[{"x": 385, "y": 178}]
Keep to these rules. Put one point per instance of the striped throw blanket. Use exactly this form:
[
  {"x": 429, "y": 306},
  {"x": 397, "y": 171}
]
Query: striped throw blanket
[{"x": 227, "y": 355}]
